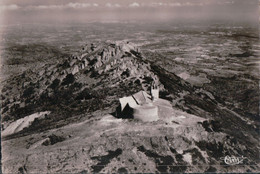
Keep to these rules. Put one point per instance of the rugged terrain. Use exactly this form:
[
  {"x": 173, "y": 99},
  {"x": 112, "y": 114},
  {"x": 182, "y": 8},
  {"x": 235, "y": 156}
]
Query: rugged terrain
[{"x": 81, "y": 134}]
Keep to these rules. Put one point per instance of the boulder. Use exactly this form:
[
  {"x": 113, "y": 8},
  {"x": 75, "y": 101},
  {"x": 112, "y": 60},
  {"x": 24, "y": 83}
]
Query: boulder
[
  {"x": 75, "y": 69},
  {"x": 98, "y": 64},
  {"x": 83, "y": 55},
  {"x": 85, "y": 62},
  {"x": 41, "y": 72},
  {"x": 107, "y": 67},
  {"x": 72, "y": 62}
]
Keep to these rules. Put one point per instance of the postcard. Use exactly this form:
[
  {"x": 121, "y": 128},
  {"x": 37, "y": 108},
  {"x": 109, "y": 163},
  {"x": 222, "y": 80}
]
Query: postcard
[{"x": 132, "y": 86}]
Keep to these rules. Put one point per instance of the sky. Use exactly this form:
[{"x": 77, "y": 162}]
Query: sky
[{"x": 62, "y": 11}]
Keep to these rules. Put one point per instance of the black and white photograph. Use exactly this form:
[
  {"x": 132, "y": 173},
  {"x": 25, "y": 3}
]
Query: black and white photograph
[{"x": 129, "y": 86}]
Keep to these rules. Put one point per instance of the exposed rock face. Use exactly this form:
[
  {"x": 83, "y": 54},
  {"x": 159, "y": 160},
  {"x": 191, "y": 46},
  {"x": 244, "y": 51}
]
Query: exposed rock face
[
  {"x": 89, "y": 85},
  {"x": 23, "y": 123},
  {"x": 113, "y": 62},
  {"x": 106, "y": 144}
]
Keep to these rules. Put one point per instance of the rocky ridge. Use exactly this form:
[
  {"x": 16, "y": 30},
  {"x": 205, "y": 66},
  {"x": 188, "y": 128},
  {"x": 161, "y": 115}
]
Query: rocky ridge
[
  {"x": 109, "y": 63},
  {"x": 90, "y": 83}
]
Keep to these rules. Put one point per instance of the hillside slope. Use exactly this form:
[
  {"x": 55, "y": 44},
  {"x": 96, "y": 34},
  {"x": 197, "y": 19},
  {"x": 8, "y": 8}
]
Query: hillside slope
[{"x": 82, "y": 92}]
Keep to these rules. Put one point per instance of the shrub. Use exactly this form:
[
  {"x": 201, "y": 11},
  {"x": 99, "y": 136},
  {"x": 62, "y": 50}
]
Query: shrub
[
  {"x": 126, "y": 73},
  {"x": 28, "y": 92},
  {"x": 68, "y": 79},
  {"x": 55, "y": 84},
  {"x": 5, "y": 109},
  {"x": 85, "y": 94}
]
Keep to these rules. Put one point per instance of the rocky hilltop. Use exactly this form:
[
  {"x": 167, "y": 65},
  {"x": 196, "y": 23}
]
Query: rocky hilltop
[
  {"x": 82, "y": 91},
  {"x": 105, "y": 65}
]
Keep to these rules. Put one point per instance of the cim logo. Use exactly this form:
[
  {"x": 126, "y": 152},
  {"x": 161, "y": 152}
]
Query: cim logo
[{"x": 232, "y": 160}]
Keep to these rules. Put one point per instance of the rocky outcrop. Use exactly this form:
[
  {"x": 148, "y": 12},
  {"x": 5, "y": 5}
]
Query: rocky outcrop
[
  {"x": 118, "y": 61},
  {"x": 87, "y": 86},
  {"x": 96, "y": 77},
  {"x": 106, "y": 144},
  {"x": 22, "y": 123}
]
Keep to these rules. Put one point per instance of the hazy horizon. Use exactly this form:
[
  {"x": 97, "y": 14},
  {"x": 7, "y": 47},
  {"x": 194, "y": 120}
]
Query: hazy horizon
[{"x": 84, "y": 11}]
